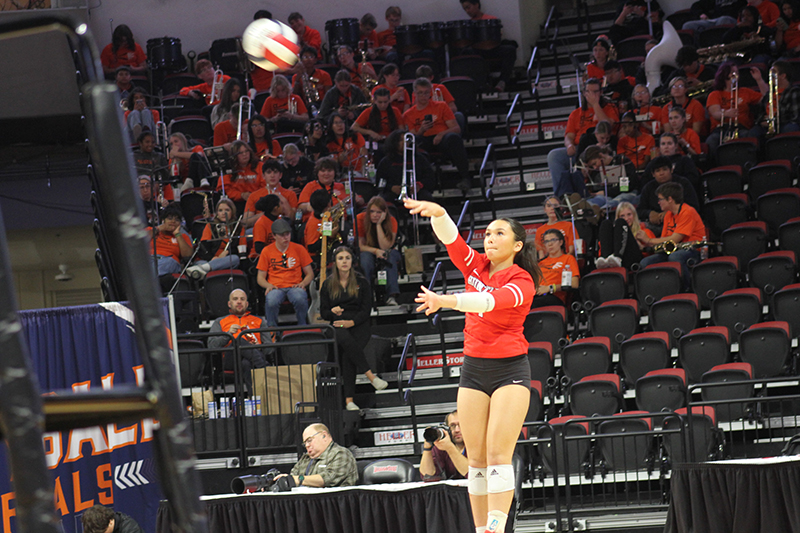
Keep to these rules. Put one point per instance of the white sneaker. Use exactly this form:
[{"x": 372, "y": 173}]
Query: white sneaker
[
  {"x": 196, "y": 272},
  {"x": 614, "y": 261},
  {"x": 601, "y": 262},
  {"x": 204, "y": 183},
  {"x": 352, "y": 407},
  {"x": 188, "y": 184},
  {"x": 391, "y": 300},
  {"x": 379, "y": 383}
]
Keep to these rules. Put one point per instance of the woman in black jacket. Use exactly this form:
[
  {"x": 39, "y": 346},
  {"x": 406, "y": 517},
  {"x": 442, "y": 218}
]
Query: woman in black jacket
[{"x": 345, "y": 300}]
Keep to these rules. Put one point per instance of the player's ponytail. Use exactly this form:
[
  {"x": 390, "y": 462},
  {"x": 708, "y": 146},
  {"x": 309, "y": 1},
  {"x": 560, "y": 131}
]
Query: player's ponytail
[{"x": 525, "y": 258}]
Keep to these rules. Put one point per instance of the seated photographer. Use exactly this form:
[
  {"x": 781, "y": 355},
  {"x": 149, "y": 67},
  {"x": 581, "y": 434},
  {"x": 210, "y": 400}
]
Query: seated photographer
[
  {"x": 325, "y": 463},
  {"x": 550, "y": 292},
  {"x": 237, "y": 323},
  {"x": 446, "y": 457}
]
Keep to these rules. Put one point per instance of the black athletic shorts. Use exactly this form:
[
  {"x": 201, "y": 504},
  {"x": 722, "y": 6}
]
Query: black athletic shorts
[{"x": 488, "y": 375}]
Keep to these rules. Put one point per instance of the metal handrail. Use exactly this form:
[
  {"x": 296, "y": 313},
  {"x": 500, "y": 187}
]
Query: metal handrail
[
  {"x": 515, "y": 140},
  {"x": 489, "y": 190},
  {"x": 407, "y": 396}
]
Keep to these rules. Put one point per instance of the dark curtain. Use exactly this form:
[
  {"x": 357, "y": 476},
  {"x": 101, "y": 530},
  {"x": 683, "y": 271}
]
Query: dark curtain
[
  {"x": 721, "y": 498},
  {"x": 429, "y": 508}
]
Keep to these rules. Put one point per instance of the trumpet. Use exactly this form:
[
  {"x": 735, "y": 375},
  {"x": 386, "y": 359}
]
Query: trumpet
[
  {"x": 216, "y": 86},
  {"x": 243, "y": 101},
  {"x": 773, "y": 108},
  {"x": 667, "y": 247},
  {"x": 733, "y": 123}
]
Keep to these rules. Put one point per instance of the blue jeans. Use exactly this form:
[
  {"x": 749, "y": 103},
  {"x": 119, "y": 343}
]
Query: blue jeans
[
  {"x": 602, "y": 201},
  {"x": 298, "y": 299},
  {"x": 681, "y": 256},
  {"x": 368, "y": 264},
  {"x": 559, "y": 163},
  {"x": 168, "y": 265},
  {"x": 697, "y": 26},
  {"x": 221, "y": 263}
]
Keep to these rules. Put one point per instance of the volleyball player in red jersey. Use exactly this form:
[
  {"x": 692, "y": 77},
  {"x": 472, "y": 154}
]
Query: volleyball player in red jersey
[{"x": 494, "y": 391}]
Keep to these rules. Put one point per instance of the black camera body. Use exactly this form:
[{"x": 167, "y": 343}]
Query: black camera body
[
  {"x": 436, "y": 433},
  {"x": 263, "y": 483}
]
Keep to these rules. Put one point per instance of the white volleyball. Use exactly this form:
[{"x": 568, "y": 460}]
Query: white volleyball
[{"x": 270, "y": 44}]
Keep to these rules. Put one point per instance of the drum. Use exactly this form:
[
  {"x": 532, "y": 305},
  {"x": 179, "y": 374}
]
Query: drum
[
  {"x": 461, "y": 33},
  {"x": 409, "y": 39},
  {"x": 165, "y": 53},
  {"x": 224, "y": 54},
  {"x": 488, "y": 34},
  {"x": 342, "y": 31},
  {"x": 432, "y": 34}
]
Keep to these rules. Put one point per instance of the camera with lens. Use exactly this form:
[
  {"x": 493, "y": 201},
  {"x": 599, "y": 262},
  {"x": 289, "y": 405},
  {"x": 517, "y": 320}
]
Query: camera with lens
[
  {"x": 436, "y": 433},
  {"x": 263, "y": 483}
]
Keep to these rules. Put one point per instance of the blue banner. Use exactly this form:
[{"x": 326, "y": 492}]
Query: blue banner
[{"x": 87, "y": 348}]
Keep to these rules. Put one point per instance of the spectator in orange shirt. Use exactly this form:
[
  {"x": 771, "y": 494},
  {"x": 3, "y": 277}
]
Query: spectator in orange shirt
[
  {"x": 648, "y": 116},
  {"x": 284, "y": 272},
  {"x": 389, "y": 78},
  {"x": 307, "y": 36},
  {"x": 324, "y": 175},
  {"x": 380, "y": 119},
  {"x": 342, "y": 98},
  {"x": 172, "y": 244},
  {"x": 319, "y": 79},
  {"x": 277, "y": 110},
  {"x": 596, "y": 68},
  {"x": 549, "y": 292},
  {"x": 440, "y": 93},
  {"x": 386, "y": 39},
  {"x": 554, "y": 221},
  {"x": 227, "y": 131},
  {"x": 436, "y": 129},
  {"x": 123, "y": 51},
  {"x": 769, "y": 11},
  {"x": 787, "y": 34},
  {"x": 682, "y": 223},
  {"x": 346, "y": 58},
  {"x": 205, "y": 71},
  {"x": 346, "y": 146},
  {"x": 270, "y": 206},
  {"x": 635, "y": 145},
  {"x": 219, "y": 244},
  {"x": 366, "y": 30},
  {"x": 260, "y": 140},
  {"x": 312, "y": 236},
  {"x": 246, "y": 177},
  {"x": 688, "y": 140},
  {"x": 271, "y": 170}
]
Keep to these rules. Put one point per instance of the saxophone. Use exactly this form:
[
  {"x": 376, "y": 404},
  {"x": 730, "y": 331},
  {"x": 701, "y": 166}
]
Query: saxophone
[
  {"x": 310, "y": 91},
  {"x": 668, "y": 247}
]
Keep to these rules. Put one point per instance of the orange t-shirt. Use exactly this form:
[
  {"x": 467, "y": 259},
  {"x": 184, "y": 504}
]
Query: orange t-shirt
[
  {"x": 581, "y": 120},
  {"x": 345, "y": 144},
  {"x": 399, "y": 104},
  {"x": 688, "y": 223},
  {"x": 363, "y": 120},
  {"x": 247, "y": 180},
  {"x": 336, "y": 191},
  {"x": 167, "y": 244},
  {"x": 387, "y": 38},
  {"x": 207, "y": 236},
  {"x": 551, "y": 271},
  {"x": 123, "y": 56},
  {"x": 273, "y": 105},
  {"x": 225, "y": 132},
  {"x": 261, "y": 148},
  {"x": 262, "y": 79},
  {"x": 262, "y": 232},
  {"x": 439, "y": 111},
  {"x": 284, "y": 269},
  {"x": 564, "y": 226},
  {"x": 204, "y": 88},
  {"x": 323, "y": 83},
  {"x": 695, "y": 112},
  {"x": 691, "y": 137},
  {"x": 725, "y": 100},
  {"x": 446, "y": 96},
  {"x": 649, "y": 118},
  {"x": 290, "y": 196},
  {"x": 769, "y": 12},
  {"x": 593, "y": 71},
  {"x": 638, "y": 149}
]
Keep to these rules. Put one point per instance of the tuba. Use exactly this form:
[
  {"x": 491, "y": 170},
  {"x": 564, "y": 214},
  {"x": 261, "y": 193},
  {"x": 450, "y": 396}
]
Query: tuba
[{"x": 662, "y": 54}]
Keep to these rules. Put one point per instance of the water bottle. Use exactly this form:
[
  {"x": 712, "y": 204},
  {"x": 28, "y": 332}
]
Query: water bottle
[
  {"x": 566, "y": 277},
  {"x": 350, "y": 238}
]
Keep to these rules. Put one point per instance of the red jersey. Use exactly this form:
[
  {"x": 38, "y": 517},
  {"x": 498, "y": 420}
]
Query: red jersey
[
  {"x": 439, "y": 111},
  {"x": 498, "y": 333},
  {"x": 123, "y": 56}
]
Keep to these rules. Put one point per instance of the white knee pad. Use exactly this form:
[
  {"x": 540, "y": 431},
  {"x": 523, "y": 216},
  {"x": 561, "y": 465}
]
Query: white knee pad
[
  {"x": 500, "y": 478},
  {"x": 496, "y": 523},
  {"x": 476, "y": 483}
]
